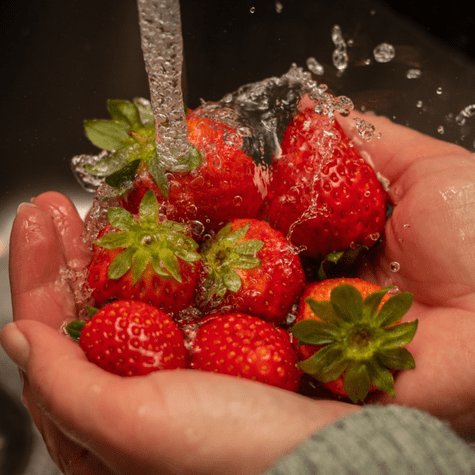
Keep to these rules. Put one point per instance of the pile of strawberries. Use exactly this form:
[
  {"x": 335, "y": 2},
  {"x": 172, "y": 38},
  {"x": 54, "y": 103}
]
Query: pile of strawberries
[{"x": 206, "y": 266}]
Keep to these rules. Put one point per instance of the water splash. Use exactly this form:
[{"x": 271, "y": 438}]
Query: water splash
[
  {"x": 315, "y": 67},
  {"x": 162, "y": 46}
]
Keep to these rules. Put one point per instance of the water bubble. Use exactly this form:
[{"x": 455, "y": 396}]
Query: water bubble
[
  {"x": 384, "y": 52},
  {"x": 237, "y": 200},
  {"x": 414, "y": 73},
  {"x": 395, "y": 266},
  {"x": 315, "y": 67},
  {"x": 394, "y": 290},
  {"x": 197, "y": 227}
]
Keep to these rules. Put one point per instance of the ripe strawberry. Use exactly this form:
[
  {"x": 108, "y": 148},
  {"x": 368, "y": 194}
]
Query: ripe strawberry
[
  {"x": 350, "y": 336},
  {"x": 131, "y": 338},
  {"x": 250, "y": 268},
  {"x": 144, "y": 257},
  {"x": 323, "y": 196},
  {"x": 212, "y": 185},
  {"x": 245, "y": 346}
]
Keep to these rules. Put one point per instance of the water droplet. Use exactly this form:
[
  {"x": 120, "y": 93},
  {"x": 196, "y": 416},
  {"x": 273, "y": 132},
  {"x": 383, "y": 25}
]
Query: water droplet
[
  {"x": 253, "y": 9},
  {"x": 439, "y": 91},
  {"x": 339, "y": 56},
  {"x": 394, "y": 290},
  {"x": 384, "y": 52},
  {"x": 419, "y": 104},
  {"x": 395, "y": 266},
  {"x": 414, "y": 73},
  {"x": 315, "y": 67},
  {"x": 374, "y": 236},
  {"x": 278, "y": 7},
  {"x": 365, "y": 129},
  {"x": 237, "y": 200},
  {"x": 197, "y": 227},
  {"x": 464, "y": 114},
  {"x": 406, "y": 226},
  {"x": 440, "y": 129}
]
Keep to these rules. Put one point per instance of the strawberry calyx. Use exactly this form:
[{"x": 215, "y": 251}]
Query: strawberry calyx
[
  {"x": 130, "y": 139},
  {"x": 227, "y": 253},
  {"x": 358, "y": 340},
  {"x": 147, "y": 240}
]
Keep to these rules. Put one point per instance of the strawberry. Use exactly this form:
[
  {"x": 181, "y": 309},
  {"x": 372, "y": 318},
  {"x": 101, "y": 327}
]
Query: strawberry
[
  {"x": 213, "y": 184},
  {"x": 250, "y": 268},
  {"x": 144, "y": 257},
  {"x": 351, "y": 338},
  {"x": 323, "y": 196},
  {"x": 245, "y": 346},
  {"x": 131, "y": 338}
]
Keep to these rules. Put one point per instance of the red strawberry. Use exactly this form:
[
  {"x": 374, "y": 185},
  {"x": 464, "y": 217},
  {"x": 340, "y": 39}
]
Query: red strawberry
[
  {"x": 212, "y": 185},
  {"x": 350, "y": 336},
  {"x": 131, "y": 338},
  {"x": 323, "y": 196},
  {"x": 145, "y": 257},
  {"x": 251, "y": 268},
  {"x": 246, "y": 346}
]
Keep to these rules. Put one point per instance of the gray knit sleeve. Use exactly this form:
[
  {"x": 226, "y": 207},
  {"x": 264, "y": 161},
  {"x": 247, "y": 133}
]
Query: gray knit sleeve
[{"x": 381, "y": 440}]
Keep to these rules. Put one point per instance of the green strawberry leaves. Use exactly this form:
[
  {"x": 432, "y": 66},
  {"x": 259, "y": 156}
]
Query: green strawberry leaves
[
  {"x": 147, "y": 240},
  {"x": 228, "y": 252},
  {"x": 358, "y": 341},
  {"x": 130, "y": 137}
]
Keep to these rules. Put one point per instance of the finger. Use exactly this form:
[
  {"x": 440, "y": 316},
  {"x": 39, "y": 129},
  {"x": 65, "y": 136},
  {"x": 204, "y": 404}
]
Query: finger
[
  {"x": 69, "y": 227},
  {"x": 442, "y": 381},
  {"x": 70, "y": 457},
  {"x": 393, "y": 148},
  {"x": 169, "y": 421},
  {"x": 37, "y": 267}
]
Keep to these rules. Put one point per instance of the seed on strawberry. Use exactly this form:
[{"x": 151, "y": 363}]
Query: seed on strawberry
[
  {"x": 245, "y": 346},
  {"x": 132, "y": 338},
  {"x": 145, "y": 257},
  {"x": 323, "y": 195},
  {"x": 351, "y": 338},
  {"x": 251, "y": 268}
]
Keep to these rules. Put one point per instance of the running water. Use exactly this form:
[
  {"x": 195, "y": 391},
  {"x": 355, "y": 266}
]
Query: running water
[{"x": 162, "y": 47}]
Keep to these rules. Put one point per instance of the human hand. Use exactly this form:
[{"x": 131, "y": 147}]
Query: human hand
[
  {"x": 431, "y": 237},
  {"x": 191, "y": 422},
  {"x": 94, "y": 422}
]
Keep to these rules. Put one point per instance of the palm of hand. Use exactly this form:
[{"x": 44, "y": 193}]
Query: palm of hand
[
  {"x": 430, "y": 236},
  {"x": 192, "y": 419}
]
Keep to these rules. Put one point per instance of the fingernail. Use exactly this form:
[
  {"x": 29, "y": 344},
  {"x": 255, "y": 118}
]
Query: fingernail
[
  {"x": 25, "y": 205},
  {"x": 15, "y": 344}
]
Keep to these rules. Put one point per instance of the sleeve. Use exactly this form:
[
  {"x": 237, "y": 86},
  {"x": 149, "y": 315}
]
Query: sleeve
[{"x": 376, "y": 440}]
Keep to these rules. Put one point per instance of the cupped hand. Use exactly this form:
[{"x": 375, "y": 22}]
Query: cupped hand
[
  {"x": 429, "y": 249},
  {"x": 192, "y": 422},
  {"x": 94, "y": 422}
]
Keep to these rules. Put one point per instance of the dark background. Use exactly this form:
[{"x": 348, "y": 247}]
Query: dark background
[{"x": 60, "y": 61}]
